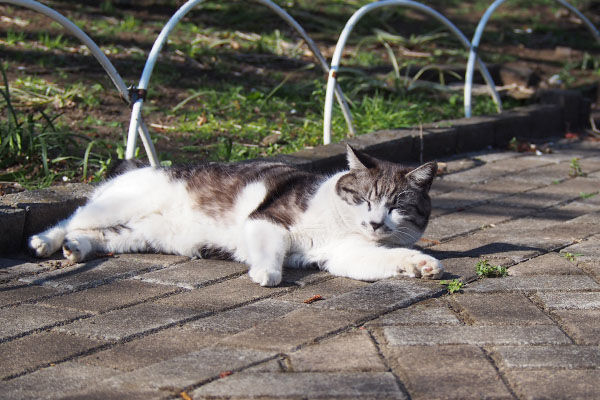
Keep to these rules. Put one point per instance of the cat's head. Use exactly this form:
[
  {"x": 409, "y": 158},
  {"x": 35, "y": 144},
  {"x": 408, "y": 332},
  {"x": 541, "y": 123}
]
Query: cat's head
[{"x": 389, "y": 203}]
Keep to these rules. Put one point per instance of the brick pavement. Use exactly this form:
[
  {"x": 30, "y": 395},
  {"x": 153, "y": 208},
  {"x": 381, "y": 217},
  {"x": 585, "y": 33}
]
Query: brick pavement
[{"x": 154, "y": 326}]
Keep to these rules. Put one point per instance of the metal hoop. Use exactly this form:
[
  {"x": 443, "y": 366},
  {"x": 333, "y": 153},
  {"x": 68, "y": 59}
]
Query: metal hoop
[
  {"x": 477, "y": 38},
  {"x": 174, "y": 20},
  {"x": 350, "y": 26},
  {"x": 105, "y": 63}
]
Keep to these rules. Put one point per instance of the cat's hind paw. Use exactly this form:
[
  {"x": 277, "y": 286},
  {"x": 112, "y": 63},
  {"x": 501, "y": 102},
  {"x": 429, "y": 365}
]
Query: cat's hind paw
[
  {"x": 264, "y": 277},
  {"x": 40, "y": 246},
  {"x": 76, "y": 250},
  {"x": 423, "y": 266}
]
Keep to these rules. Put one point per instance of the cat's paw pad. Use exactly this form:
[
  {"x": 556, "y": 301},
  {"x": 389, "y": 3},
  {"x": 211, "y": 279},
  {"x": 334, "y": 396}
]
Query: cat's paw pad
[
  {"x": 75, "y": 250},
  {"x": 39, "y": 246},
  {"x": 424, "y": 266},
  {"x": 265, "y": 277}
]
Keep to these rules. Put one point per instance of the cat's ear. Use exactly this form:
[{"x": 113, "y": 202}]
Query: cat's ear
[
  {"x": 358, "y": 160},
  {"x": 422, "y": 176}
]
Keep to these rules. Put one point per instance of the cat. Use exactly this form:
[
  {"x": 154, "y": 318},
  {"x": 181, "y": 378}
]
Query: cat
[{"x": 356, "y": 223}]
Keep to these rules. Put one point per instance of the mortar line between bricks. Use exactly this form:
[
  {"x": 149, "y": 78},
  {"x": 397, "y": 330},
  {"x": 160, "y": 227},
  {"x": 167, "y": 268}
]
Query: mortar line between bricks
[
  {"x": 502, "y": 222},
  {"x": 519, "y": 155},
  {"x": 550, "y": 316},
  {"x": 116, "y": 279},
  {"x": 366, "y": 319},
  {"x": 44, "y": 328},
  {"x": 336, "y": 332},
  {"x": 139, "y": 335},
  {"x": 215, "y": 377},
  {"x": 384, "y": 360},
  {"x": 91, "y": 285},
  {"x": 500, "y": 373},
  {"x": 498, "y": 176}
]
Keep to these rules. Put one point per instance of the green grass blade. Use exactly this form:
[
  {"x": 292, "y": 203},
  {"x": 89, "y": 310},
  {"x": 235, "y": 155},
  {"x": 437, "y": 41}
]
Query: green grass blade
[{"x": 86, "y": 158}]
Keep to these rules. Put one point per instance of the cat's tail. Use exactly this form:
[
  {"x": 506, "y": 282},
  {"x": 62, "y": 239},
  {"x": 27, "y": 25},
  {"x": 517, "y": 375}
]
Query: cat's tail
[{"x": 122, "y": 166}]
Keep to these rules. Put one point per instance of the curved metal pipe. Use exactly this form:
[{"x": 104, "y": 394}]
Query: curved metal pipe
[
  {"x": 477, "y": 39},
  {"x": 174, "y": 20},
  {"x": 104, "y": 62},
  {"x": 350, "y": 26}
]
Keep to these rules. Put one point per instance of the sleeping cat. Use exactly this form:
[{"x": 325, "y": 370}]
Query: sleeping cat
[{"x": 355, "y": 223}]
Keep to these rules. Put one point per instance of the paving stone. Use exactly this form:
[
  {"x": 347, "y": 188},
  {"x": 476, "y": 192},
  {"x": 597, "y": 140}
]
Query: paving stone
[
  {"x": 478, "y": 335},
  {"x": 446, "y": 372},
  {"x": 119, "y": 324},
  {"x": 11, "y": 268},
  {"x": 547, "y": 356},
  {"x": 303, "y": 276},
  {"x": 326, "y": 289},
  {"x": 114, "y": 295},
  {"x": 569, "y": 301},
  {"x": 15, "y": 292},
  {"x": 193, "y": 274},
  {"x": 377, "y": 385},
  {"x": 156, "y": 347},
  {"x": 102, "y": 270},
  {"x": 500, "y": 309},
  {"x": 549, "y": 195},
  {"x": 16, "y": 321},
  {"x": 380, "y": 296},
  {"x": 534, "y": 283},
  {"x": 581, "y": 325},
  {"x": 40, "y": 350},
  {"x": 269, "y": 366},
  {"x": 586, "y": 251},
  {"x": 495, "y": 170},
  {"x": 547, "y": 264},
  {"x": 472, "y": 219},
  {"x": 57, "y": 382},
  {"x": 245, "y": 317},
  {"x": 352, "y": 351},
  {"x": 555, "y": 384},
  {"x": 545, "y": 175},
  {"x": 430, "y": 312},
  {"x": 222, "y": 295},
  {"x": 188, "y": 369},
  {"x": 293, "y": 329},
  {"x": 460, "y": 267}
]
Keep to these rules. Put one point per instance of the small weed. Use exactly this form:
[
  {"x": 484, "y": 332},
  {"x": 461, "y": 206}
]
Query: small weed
[
  {"x": 453, "y": 285},
  {"x": 575, "y": 169},
  {"x": 485, "y": 269},
  {"x": 584, "y": 195},
  {"x": 12, "y": 38},
  {"x": 570, "y": 256},
  {"x": 52, "y": 42}
]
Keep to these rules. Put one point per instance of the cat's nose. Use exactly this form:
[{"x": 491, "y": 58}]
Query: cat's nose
[{"x": 376, "y": 225}]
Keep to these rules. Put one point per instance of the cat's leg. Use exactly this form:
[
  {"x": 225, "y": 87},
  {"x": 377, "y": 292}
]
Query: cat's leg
[
  {"x": 266, "y": 245},
  {"x": 48, "y": 242},
  {"x": 363, "y": 261},
  {"x": 82, "y": 231}
]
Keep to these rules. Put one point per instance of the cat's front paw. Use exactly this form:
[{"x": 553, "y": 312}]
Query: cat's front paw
[
  {"x": 40, "y": 246},
  {"x": 423, "y": 266},
  {"x": 76, "y": 250},
  {"x": 264, "y": 277}
]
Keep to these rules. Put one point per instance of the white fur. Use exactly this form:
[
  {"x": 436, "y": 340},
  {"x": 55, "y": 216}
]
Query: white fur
[{"x": 160, "y": 214}]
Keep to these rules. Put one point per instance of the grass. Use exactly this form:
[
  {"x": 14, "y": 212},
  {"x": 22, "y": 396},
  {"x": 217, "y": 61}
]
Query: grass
[
  {"x": 575, "y": 169},
  {"x": 453, "y": 286},
  {"x": 36, "y": 151},
  {"x": 570, "y": 256},
  {"x": 484, "y": 269},
  {"x": 254, "y": 89}
]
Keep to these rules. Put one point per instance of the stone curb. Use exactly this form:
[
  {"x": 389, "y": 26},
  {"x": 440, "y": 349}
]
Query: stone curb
[{"x": 23, "y": 214}]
